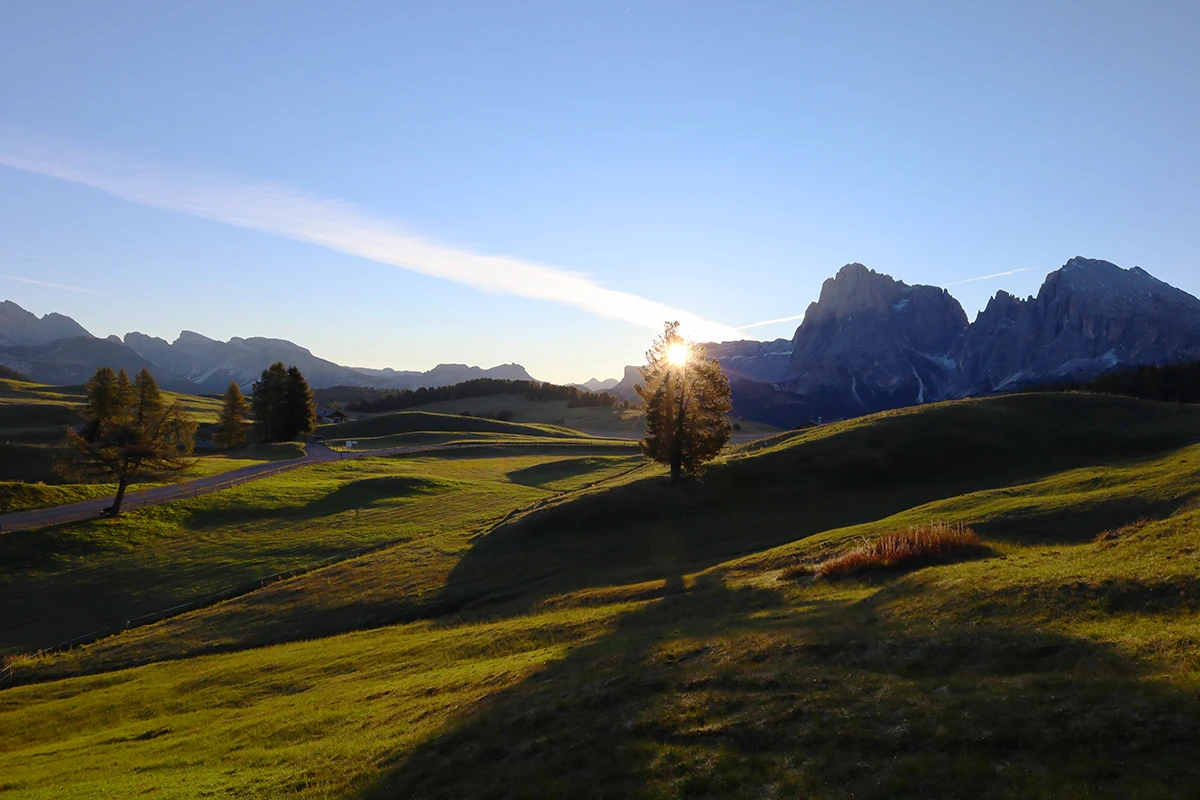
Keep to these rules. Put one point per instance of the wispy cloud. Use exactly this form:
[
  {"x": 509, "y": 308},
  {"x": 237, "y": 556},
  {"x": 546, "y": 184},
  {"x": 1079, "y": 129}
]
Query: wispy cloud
[
  {"x": 22, "y": 256},
  {"x": 343, "y": 227},
  {"x": 988, "y": 277},
  {"x": 770, "y": 322},
  {"x": 49, "y": 285}
]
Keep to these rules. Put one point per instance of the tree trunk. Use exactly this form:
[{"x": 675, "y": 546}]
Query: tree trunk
[
  {"x": 677, "y": 438},
  {"x": 115, "y": 508}
]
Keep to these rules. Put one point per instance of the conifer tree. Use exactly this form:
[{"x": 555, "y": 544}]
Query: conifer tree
[
  {"x": 232, "y": 424},
  {"x": 301, "y": 410},
  {"x": 130, "y": 433},
  {"x": 283, "y": 403},
  {"x": 685, "y": 397},
  {"x": 269, "y": 402}
]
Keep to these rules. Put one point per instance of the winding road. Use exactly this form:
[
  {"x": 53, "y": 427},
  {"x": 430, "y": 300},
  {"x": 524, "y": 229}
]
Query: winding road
[{"x": 90, "y": 509}]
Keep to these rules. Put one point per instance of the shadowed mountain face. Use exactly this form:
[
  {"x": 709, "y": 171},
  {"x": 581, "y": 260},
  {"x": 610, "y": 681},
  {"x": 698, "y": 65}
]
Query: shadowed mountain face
[
  {"x": 73, "y": 361},
  {"x": 19, "y": 327},
  {"x": 871, "y": 343},
  {"x": 1089, "y": 317},
  {"x": 209, "y": 365}
]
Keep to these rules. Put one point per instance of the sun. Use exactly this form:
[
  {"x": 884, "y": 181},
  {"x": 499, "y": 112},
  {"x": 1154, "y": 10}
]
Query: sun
[{"x": 677, "y": 354}]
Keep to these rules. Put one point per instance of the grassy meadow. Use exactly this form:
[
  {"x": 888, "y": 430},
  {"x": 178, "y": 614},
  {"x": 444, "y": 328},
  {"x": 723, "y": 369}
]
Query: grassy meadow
[
  {"x": 601, "y": 421},
  {"x": 537, "y": 622},
  {"x": 33, "y": 423}
]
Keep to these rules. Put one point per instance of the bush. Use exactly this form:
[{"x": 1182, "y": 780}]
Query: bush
[
  {"x": 505, "y": 415},
  {"x": 937, "y": 543}
]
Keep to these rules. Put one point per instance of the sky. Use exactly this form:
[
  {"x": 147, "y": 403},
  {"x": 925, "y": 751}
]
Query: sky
[{"x": 405, "y": 184}]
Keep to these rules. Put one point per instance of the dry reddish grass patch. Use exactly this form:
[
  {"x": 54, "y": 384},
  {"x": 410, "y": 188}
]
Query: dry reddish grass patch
[{"x": 939, "y": 542}]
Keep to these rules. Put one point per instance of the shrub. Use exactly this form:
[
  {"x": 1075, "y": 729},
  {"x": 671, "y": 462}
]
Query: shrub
[
  {"x": 505, "y": 415},
  {"x": 936, "y": 543}
]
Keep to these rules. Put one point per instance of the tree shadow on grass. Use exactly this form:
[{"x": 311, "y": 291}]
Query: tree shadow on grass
[
  {"x": 361, "y": 493},
  {"x": 1081, "y": 522},
  {"x": 720, "y": 692},
  {"x": 541, "y": 474}
]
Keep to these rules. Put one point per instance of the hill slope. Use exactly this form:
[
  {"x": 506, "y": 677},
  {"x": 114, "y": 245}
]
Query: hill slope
[{"x": 643, "y": 640}]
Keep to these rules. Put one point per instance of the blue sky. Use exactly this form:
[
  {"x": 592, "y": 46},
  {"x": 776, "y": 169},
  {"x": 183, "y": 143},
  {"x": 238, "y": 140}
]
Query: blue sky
[{"x": 402, "y": 184}]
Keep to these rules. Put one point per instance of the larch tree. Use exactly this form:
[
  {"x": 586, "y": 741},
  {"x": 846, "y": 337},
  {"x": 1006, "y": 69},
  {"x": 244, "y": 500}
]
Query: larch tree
[
  {"x": 130, "y": 433},
  {"x": 686, "y": 400},
  {"x": 232, "y": 424}
]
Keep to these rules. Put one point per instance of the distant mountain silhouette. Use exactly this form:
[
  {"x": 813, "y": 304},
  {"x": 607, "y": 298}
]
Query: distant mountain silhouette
[
  {"x": 72, "y": 361},
  {"x": 193, "y": 362},
  {"x": 868, "y": 343},
  {"x": 20, "y": 327},
  {"x": 871, "y": 342}
]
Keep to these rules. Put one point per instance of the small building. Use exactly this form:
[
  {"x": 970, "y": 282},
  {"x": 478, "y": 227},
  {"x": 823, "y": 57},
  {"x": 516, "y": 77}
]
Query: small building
[{"x": 330, "y": 416}]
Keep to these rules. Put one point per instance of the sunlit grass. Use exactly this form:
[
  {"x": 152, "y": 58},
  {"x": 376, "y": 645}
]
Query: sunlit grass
[{"x": 635, "y": 639}]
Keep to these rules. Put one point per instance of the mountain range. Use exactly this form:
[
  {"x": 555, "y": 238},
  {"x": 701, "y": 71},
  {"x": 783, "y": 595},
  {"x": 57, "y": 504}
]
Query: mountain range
[
  {"x": 194, "y": 363},
  {"x": 869, "y": 343}
]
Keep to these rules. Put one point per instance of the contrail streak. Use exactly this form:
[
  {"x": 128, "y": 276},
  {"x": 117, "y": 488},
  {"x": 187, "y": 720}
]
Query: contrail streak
[
  {"x": 986, "y": 277},
  {"x": 49, "y": 285},
  {"x": 770, "y": 322},
  {"x": 341, "y": 226}
]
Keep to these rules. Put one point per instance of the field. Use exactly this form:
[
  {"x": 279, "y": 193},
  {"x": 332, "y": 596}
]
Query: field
[
  {"x": 33, "y": 422},
  {"x": 597, "y": 421},
  {"x": 535, "y": 621}
]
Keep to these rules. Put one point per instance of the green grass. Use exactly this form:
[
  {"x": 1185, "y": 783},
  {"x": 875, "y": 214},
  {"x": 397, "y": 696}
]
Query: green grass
[
  {"x": 21, "y": 495},
  {"x": 395, "y": 422},
  {"x": 633, "y": 639},
  {"x": 155, "y": 558},
  {"x": 33, "y": 423},
  {"x": 597, "y": 420}
]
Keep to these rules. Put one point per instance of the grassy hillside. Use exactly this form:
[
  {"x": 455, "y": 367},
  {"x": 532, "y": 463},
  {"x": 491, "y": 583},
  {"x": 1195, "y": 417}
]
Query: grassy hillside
[
  {"x": 411, "y": 421},
  {"x": 599, "y": 420},
  {"x": 33, "y": 422},
  {"x": 622, "y": 637}
]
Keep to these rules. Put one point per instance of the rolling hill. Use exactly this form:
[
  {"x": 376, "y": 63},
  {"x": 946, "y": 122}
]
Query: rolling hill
[{"x": 550, "y": 625}]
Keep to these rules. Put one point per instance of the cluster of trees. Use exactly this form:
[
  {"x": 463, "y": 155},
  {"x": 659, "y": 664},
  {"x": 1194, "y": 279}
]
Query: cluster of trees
[
  {"x": 399, "y": 399},
  {"x": 282, "y": 404},
  {"x": 686, "y": 400},
  {"x": 130, "y": 433},
  {"x": 1173, "y": 383}
]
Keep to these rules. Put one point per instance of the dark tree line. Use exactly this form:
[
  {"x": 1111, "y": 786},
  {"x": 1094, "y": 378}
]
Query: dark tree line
[
  {"x": 1172, "y": 383},
  {"x": 397, "y": 399}
]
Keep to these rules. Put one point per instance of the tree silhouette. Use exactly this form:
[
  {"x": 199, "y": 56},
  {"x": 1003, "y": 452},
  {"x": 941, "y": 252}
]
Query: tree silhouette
[
  {"x": 282, "y": 403},
  {"x": 686, "y": 399},
  {"x": 232, "y": 425}
]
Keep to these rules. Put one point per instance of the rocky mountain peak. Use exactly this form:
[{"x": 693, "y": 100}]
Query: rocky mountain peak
[{"x": 21, "y": 327}]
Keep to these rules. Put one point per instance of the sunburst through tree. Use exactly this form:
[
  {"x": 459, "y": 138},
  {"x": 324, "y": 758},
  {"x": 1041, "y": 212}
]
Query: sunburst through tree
[{"x": 686, "y": 399}]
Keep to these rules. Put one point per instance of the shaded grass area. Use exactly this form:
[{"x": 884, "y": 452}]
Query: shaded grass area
[
  {"x": 637, "y": 639},
  {"x": 387, "y": 424},
  {"x": 62, "y": 582},
  {"x": 20, "y": 495}
]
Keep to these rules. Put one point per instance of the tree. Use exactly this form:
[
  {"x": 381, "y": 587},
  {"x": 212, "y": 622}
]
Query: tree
[
  {"x": 130, "y": 434},
  {"x": 685, "y": 397},
  {"x": 269, "y": 402},
  {"x": 282, "y": 403},
  {"x": 232, "y": 425},
  {"x": 301, "y": 410}
]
